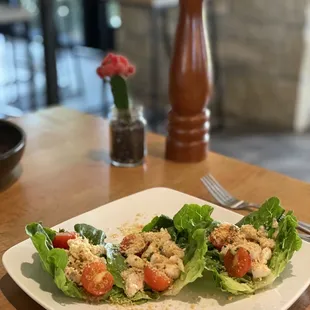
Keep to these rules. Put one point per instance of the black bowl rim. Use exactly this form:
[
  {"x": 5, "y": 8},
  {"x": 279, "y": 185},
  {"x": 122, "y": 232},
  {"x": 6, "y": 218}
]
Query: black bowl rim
[{"x": 19, "y": 146}]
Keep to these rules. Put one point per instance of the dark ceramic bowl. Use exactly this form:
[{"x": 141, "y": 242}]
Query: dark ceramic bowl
[{"x": 12, "y": 145}]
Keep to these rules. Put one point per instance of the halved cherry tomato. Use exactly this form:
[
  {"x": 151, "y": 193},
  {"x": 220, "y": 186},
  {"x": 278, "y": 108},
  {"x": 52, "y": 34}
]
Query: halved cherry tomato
[
  {"x": 217, "y": 243},
  {"x": 239, "y": 264},
  {"x": 156, "y": 279},
  {"x": 61, "y": 239},
  {"x": 127, "y": 242},
  {"x": 96, "y": 279}
]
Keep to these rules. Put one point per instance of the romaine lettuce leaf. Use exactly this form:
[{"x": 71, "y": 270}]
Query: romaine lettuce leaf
[
  {"x": 94, "y": 235},
  {"x": 287, "y": 242},
  {"x": 269, "y": 211},
  {"x": 117, "y": 296},
  {"x": 192, "y": 217},
  {"x": 33, "y": 228},
  {"x": 157, "y": 223},
  {"x": 116, "y": 264},
  {"x": 195, "y": 265}
]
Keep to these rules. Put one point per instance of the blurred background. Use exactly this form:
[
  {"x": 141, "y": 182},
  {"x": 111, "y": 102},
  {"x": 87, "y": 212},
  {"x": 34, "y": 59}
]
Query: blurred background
[{"x": 49, "y": 51}]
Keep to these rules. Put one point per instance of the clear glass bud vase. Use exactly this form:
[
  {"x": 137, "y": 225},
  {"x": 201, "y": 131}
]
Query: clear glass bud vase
[{"x": 127, "y": 137}]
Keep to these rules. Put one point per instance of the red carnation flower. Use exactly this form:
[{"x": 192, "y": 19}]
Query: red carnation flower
[{"x": 114, "y": 64}]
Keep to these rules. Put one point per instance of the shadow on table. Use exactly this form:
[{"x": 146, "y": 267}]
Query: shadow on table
[
  {"x": 10, "y": 179},
  {"x": 33, "y": 271},
  {"x": 11, "y": 291}
]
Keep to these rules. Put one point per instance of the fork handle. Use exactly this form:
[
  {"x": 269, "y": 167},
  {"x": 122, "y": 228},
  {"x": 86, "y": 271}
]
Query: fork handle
[
  {"x": 305, "y": 237},
  {"x": 252, "y": 205},
  {"x": 304, "y": 227}
]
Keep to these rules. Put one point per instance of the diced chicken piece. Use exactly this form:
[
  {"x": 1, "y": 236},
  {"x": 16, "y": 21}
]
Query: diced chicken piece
[
  {"x": 159, "y": 237},
  {"x": 225, "y": 249},
  {"x": 171, "y": 266},
  {"x": 152, "y": 248},
  {"x": 133, "y": 281},
  {"x": 172, "y": 271},
  {"x": 253, "y": 248},
  {"x": 73, "y": 274},
  {"x": 135, "y": 261},
  {"x": 157, "y": 258},
  {"x": 178, "y": 261},
  {"x": 267, "y": 243},
  {"x": 249, "y": 232},
  {"x": 135, "y": 245},
  {"x": 169, "y": 249},
  {"x": 259, "y": 270},
  {"x": 81, "y": 249},
  {"x": 265, "y": 255}
]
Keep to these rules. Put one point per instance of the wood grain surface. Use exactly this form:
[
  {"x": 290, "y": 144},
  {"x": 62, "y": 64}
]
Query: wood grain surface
[{"x": 65, "y": 172}]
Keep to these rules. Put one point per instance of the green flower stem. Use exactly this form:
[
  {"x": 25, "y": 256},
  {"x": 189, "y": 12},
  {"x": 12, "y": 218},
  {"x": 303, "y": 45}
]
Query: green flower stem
[{"x": 120, "y": 93}]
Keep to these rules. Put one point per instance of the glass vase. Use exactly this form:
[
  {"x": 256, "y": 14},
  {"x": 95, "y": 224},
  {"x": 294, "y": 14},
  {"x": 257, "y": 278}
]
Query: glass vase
[{"x": 127, "y": 137}]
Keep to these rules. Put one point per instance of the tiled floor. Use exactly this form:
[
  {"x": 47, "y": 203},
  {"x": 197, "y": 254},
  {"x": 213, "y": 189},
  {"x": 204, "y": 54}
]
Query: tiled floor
[{"x": 285, "y": 153}]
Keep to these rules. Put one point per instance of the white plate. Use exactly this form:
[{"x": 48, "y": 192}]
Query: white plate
[{"x": 22, "y": 263}]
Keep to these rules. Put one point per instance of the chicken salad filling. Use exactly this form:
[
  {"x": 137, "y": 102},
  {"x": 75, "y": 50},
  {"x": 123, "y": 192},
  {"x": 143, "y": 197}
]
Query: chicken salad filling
[
  {"x": 256, "y": 249},
  {"x": 153, "y": 259}
]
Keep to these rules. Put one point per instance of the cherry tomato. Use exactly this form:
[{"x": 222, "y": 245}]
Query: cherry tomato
[
  {"x": 239, "y": 264},
  {"x": 217, "y": 243},
  {"x": 96, "y": 280},
  {"x": 61, "y": 239},
  {"x": 156, "y": 279}
]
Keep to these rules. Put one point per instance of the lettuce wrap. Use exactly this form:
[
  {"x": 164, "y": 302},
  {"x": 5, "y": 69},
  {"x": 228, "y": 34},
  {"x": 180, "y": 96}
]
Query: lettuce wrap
[
  {"x": 187, "y": 229},
  {"x": 287, "y": 241},
  {"x": 55, "y": 260}
]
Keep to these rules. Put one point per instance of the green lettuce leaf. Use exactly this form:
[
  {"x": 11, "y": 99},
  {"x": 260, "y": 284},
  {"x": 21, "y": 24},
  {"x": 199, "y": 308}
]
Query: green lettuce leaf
[
  {"x": 195, "y": 265},
  {"x": 287, "y": 242},
  {"x": 33, "y": 228},
  {"x": 192, "y": 217},
  {"x": 157, "y": 223},
  {"x": 117, "y": 296},
  {"x": 94, "y": 235},
  {"x": 116, "y": 264},
  {"x": 269, "y": 211}
]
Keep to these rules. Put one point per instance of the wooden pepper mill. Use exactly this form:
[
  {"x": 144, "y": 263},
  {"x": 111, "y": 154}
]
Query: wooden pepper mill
[{"x": 190, "y": 87}]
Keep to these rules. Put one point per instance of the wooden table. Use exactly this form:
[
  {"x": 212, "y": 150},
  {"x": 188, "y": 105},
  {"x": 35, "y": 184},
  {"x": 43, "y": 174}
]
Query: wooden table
[{"x": 65, "y": 172}]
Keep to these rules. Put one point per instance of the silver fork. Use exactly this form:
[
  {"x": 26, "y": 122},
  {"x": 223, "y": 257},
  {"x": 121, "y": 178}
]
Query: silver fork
[{"x": 230, "y": 202}]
